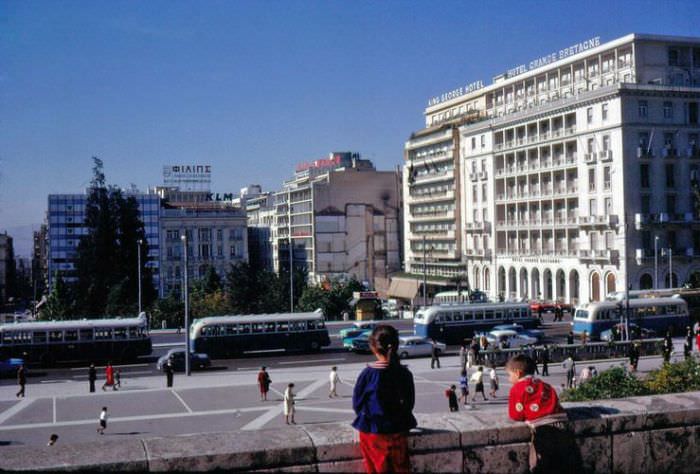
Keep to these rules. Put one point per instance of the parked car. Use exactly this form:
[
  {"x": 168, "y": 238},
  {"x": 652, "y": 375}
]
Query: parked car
[
  {"x": 361, "y": 342},
  {"x": 508, "y": 339},
  {"x": 636, "y": 332},
  {"x": 198, "y": 360},
  {"x": 8, "y": 367},
  {"x": 549, "y": 306},
  {"x": 416, "y": 346},
  {"x": 352, "y": 335},
  {"x": 356, "y": 328},
  {"x": 520, "y": 329}
]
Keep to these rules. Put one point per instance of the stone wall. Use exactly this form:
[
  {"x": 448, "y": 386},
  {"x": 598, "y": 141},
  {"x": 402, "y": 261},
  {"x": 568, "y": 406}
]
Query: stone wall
[{"x": 641, "y": 434}]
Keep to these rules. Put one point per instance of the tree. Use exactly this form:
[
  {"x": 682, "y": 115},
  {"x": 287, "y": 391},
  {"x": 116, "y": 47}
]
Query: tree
[
  {"x": 171, "y": 310},
  {"x": 59, "y": 302},
  {"x": 332, "y": 301},
  {"x": 243, "y": 290}
]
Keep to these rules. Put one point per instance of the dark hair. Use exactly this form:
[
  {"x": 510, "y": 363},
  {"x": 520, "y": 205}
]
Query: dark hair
[
  {"x": 521, "y": 363},
  {"x": 104, "y": 408},
  {"x": 464, "y": 373},
  {"x": 452, "y": 387},
  {"x": 385, "y": 340}
]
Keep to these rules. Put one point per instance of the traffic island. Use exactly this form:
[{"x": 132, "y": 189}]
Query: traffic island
[{"x": 639, "y": 434}]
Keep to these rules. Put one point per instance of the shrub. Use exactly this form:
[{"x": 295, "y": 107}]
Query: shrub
[
  {"x": 612, "y": 383},
  {"x": 677, "y": 377}
]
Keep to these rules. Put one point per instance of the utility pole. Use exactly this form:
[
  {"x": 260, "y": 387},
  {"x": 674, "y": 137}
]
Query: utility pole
[
  {"x": 187, "y": 309},
  {"x": 627, "y": 285},
  {"x": 656, "y": 262},
  {"x": 670, "y": 267},
  {"x": 139, "y": 242},
  {"x": 291, "y": 273},
  {"x": 425, "y": 282}
]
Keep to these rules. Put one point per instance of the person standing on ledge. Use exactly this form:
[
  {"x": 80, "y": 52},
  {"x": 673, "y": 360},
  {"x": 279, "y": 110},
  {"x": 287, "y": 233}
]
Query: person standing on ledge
[
  {"x": 383, "y": 400},
  {"x": 92, "y": 377}
]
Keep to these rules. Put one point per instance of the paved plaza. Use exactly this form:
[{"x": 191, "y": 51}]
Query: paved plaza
[{"x": 220, "y": 401}]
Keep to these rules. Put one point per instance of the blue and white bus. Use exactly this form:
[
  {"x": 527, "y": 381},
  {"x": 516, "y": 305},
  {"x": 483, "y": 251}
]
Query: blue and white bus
[
  {"x": 227, "y": 336},
  {"x": 454, "y": 323},
  {"x": 658, "y": 314}
]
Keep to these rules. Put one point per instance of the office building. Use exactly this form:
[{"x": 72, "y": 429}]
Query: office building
[{"x": 7, "y": 267}]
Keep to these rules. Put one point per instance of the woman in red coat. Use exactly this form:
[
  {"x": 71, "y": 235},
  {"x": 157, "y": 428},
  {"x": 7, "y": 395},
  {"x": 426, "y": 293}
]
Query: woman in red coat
[{"x": 109, "y": 377}]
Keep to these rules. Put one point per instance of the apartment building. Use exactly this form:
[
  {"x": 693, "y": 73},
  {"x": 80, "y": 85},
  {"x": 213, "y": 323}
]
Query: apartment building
[
  {"x": 7, "y": 266},
  {"x": 577, "y": 172},
  {"x": 342, "y": 217}
]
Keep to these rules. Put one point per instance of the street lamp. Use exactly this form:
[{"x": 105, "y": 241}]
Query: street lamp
[
  {"x": 656, "y": 262},
  {"x": 139, "y": 242},
  {"x": 670, "y": 268},
  {"x": 187, "y": 308},
  {"x": 291, "y": 275}
]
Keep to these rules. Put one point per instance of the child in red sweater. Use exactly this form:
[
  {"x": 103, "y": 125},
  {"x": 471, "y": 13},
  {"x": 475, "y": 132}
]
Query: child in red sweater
[{"x": 536, "y": 402}]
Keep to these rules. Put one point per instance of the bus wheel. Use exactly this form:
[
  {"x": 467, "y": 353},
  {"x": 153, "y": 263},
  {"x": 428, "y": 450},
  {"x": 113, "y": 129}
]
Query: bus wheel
[{"x": 403, "y": 355}]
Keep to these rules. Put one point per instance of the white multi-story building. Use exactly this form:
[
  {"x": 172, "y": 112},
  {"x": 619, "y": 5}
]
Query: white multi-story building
[
  {"x": 342, "y": 216},
  {"x": 576, "y": 170}
]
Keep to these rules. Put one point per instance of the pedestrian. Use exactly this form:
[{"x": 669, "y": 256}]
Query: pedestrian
[
  {"x": 109, "y": 377},
  {"x": 383, "y": 401},
  {"x": 179, "y": 329},
  {"x": 478, "y": 379},
  {"x": 289, "y": 404},
  {"x": 687, "y": 349},
  {"x": 493, "y": 383},
  {"x": 434, "y": 355},
  {"x": 21, "y": 380},
  {"x": 545, "y": 361},
  {"x": 169, "y": 374},
  {"x": 334, "y": 380},
  {"x": 539, "y": 313},
  {"x": 633, "y": 355},
  {"x": 585, "y": 375},
  {"x": 531, "y": 353},
  {"x": 584, "y": 337},
  {"x": 264, "y": 383},
  {"x": 464, "y": 387},
  {"x": 475, "y": 348},
  {"x": 451, "y": 394},
  {"x": 558, "y": 316},
  {"x": 570, "y": 337},
  {"x": 463, "y": 356},
  {"x": 118, "y": 379},
  {"x": 483, "y": 343},
  {"x": 570, "y": 367},
  {"x": 92, "y": 377},
  {"x": 697, "y": 339},
  {"x": 535, "y": 402},
  {"x": 667, "y": 347},
  {"x": 689, "y": 337},
  {"x": 103, "y": 421},
  {"x": 52, "y": 439},
  {"x": 471, "y": 358}
]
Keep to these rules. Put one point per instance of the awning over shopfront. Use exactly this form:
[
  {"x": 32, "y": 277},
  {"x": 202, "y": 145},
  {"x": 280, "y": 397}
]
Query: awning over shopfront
[{"x": 405, "y": 288}]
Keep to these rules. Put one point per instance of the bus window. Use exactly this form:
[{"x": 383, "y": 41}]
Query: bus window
[
  {"x": 319, "y": 325},
  {"x": 244, "y": 328},
  {"x": 313, "y": 325},
  {"x": 119, "y": 333},
  {"x": 7, "y": 337},
  {"x": 101, "y": 334},
  {"x": 468, "y": 316},
  {"x": 270, "y": 327},
  {"x": 55, "y": 336},
  {"x": 523, "y": 313},
  {"x": 301, "y": 326},
  {"x": 447, "y": 316},
  {"x": 71, "y": 335},
  {"x": 457, "y": 316},
  {"x": 478, "y": 315},
  {"x": 258, "y": 327},
  {"x": 282, "y": 326},
  {"x": 488, "y": 314},
  {"x": 439, "y": 318},
  {"x": 671, "y": 309},
  {"x": 39, "y": 337},
  {"x": 231, "y": 329},
  {"x": 85, "y": 335},
  {"x": 499, "y": 315},
  {"x": 133, "y": 332}
]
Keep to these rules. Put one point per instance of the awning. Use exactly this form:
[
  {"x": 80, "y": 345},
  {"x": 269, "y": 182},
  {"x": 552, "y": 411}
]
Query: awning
[{"x": 406, "y": 288}]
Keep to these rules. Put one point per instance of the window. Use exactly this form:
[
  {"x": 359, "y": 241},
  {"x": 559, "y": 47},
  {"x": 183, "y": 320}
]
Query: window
[
  {"x": 646, "y": 204},
  {"x": 592, "y": 207},
  {"x": 644, "y": 175},
  {"x": 71, "y": 335},
  {"x": 606, "y": 142},
  {"x": 483, "y": 141},
  {"x": 604, "y": 112},
  {"x": 39, "y": 337},
  {"x": 668, "y": 110},
  {"x": 670, "y": 203},
  {"x": 86, "y": 334},
  {"x": 591, "y": 179},
  {"x": 608, "y": 205},
  {"x": 673, "y": 55},
  {"x": 643, "y": 107},
  {"x": 589, "y": 115},
  {"x": 233, "y": 251},
  {"x": 668, "y": 139},
  {"x": 483, "y": 192},
  {"x": 670, "y": 178},
  {"x": 219, "y": 234},
  {"x": 103, "y": 333},
  {"x": 55, "y": 336},
  {"x": 644, "y": 140},
  {"x": 590, "y": 145},
  {"x": 120, "y": 333},
  {"x": 473, "y": 143}
]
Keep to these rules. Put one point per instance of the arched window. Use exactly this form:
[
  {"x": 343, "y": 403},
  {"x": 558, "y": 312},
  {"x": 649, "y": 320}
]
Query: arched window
[{"x": 646, "y": 282}]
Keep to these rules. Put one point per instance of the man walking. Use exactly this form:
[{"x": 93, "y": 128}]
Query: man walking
[
  {"x": 570, "y": 367},
  {"x": 668, "y": 347},
  {"x": 334, "y": 379},
  {"x": 634, "y": 356},
  {"x": 434, "y": 356},
  {"x": 169, "y": 372},
  {"x": 92, "y": 377},
  {"x": 545, "y": 361},
  {"x": 21, "y": 380}
]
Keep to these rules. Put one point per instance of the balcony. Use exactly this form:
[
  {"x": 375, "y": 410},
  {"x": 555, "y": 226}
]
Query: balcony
[
  {"x": 478, "y": 253},
  {"x": 598, "y": 221},
  {"x": 433, "y": 235},
  {"x": 430, "y": 197},
  {"x": 641, "y": 255},
  {"x": 605, "y": 155},
  {"x": 483, "y": 175},
  {"x": 431, "y": 216},
  {"x": 669, "y": 152},
  {"x": 477, "y": 227},
  {"x": 473, "y": 176},
  {"x": 589, "y": 158},
  {"x": 644, "y": 152},
  {"x": 598, "y": 255}
]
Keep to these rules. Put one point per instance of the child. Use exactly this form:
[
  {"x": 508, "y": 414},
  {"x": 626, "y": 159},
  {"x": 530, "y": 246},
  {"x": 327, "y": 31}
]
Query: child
[
  {"x": 464, "y": 387},
  {"x": 103, "y": 421},
  {"x": 52, "y": 439},
  {"x": 451, "y": 394},
  {"x": 478, "y": 379},
  {"x": 334, "y": 379},
  {"x": 383, "y": 401},
  {"x": 289, "y": 404},
  {"x": 536, "y": 402},
  {"x": 118, "y": 379},
  {"x": 494, "y": 381}
]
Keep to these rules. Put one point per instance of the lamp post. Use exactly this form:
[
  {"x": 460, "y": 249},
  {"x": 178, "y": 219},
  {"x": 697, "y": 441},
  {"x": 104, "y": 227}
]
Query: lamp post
[
  {"x": 656, "y": 262},
  {"x": 139, "y": 242},
  {"x": 187, "y": 308},
  {"x": 291, "y": 274},
  {"x": 425, "y": 282},
  {"x": 670, "y": 267}
]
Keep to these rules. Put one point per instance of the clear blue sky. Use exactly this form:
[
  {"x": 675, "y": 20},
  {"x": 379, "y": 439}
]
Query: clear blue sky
[{"x": 253, "y": 87}]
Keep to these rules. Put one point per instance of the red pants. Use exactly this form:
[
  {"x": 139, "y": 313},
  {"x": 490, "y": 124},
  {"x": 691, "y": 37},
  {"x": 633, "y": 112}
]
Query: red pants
[
  {"x": 697, "y": 341},
  {"x": 384, "y": 453}
]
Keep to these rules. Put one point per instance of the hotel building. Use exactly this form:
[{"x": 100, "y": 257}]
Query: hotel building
[
  {"x": 564, "y": 178},
  {"x": 342, "y": 216}
]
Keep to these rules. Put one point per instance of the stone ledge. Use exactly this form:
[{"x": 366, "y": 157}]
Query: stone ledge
[{"x": 641, "y": 434}]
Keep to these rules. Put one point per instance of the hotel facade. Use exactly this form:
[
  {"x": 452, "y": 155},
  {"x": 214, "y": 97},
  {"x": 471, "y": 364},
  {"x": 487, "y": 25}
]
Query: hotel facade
[{"x": 565, "y": 178}]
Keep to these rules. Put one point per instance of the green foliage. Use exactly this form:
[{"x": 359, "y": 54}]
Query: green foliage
[
  {"x": 612, "y": 383},
  {"x": 59, "y": 302},
  {"x": 681, "y": 376},
  {"x": 332, "y": 301},
  {"x": 209, "y": 304},
  {"x": 253, "y": 291},
  {"x": 171, "y": 310}
]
